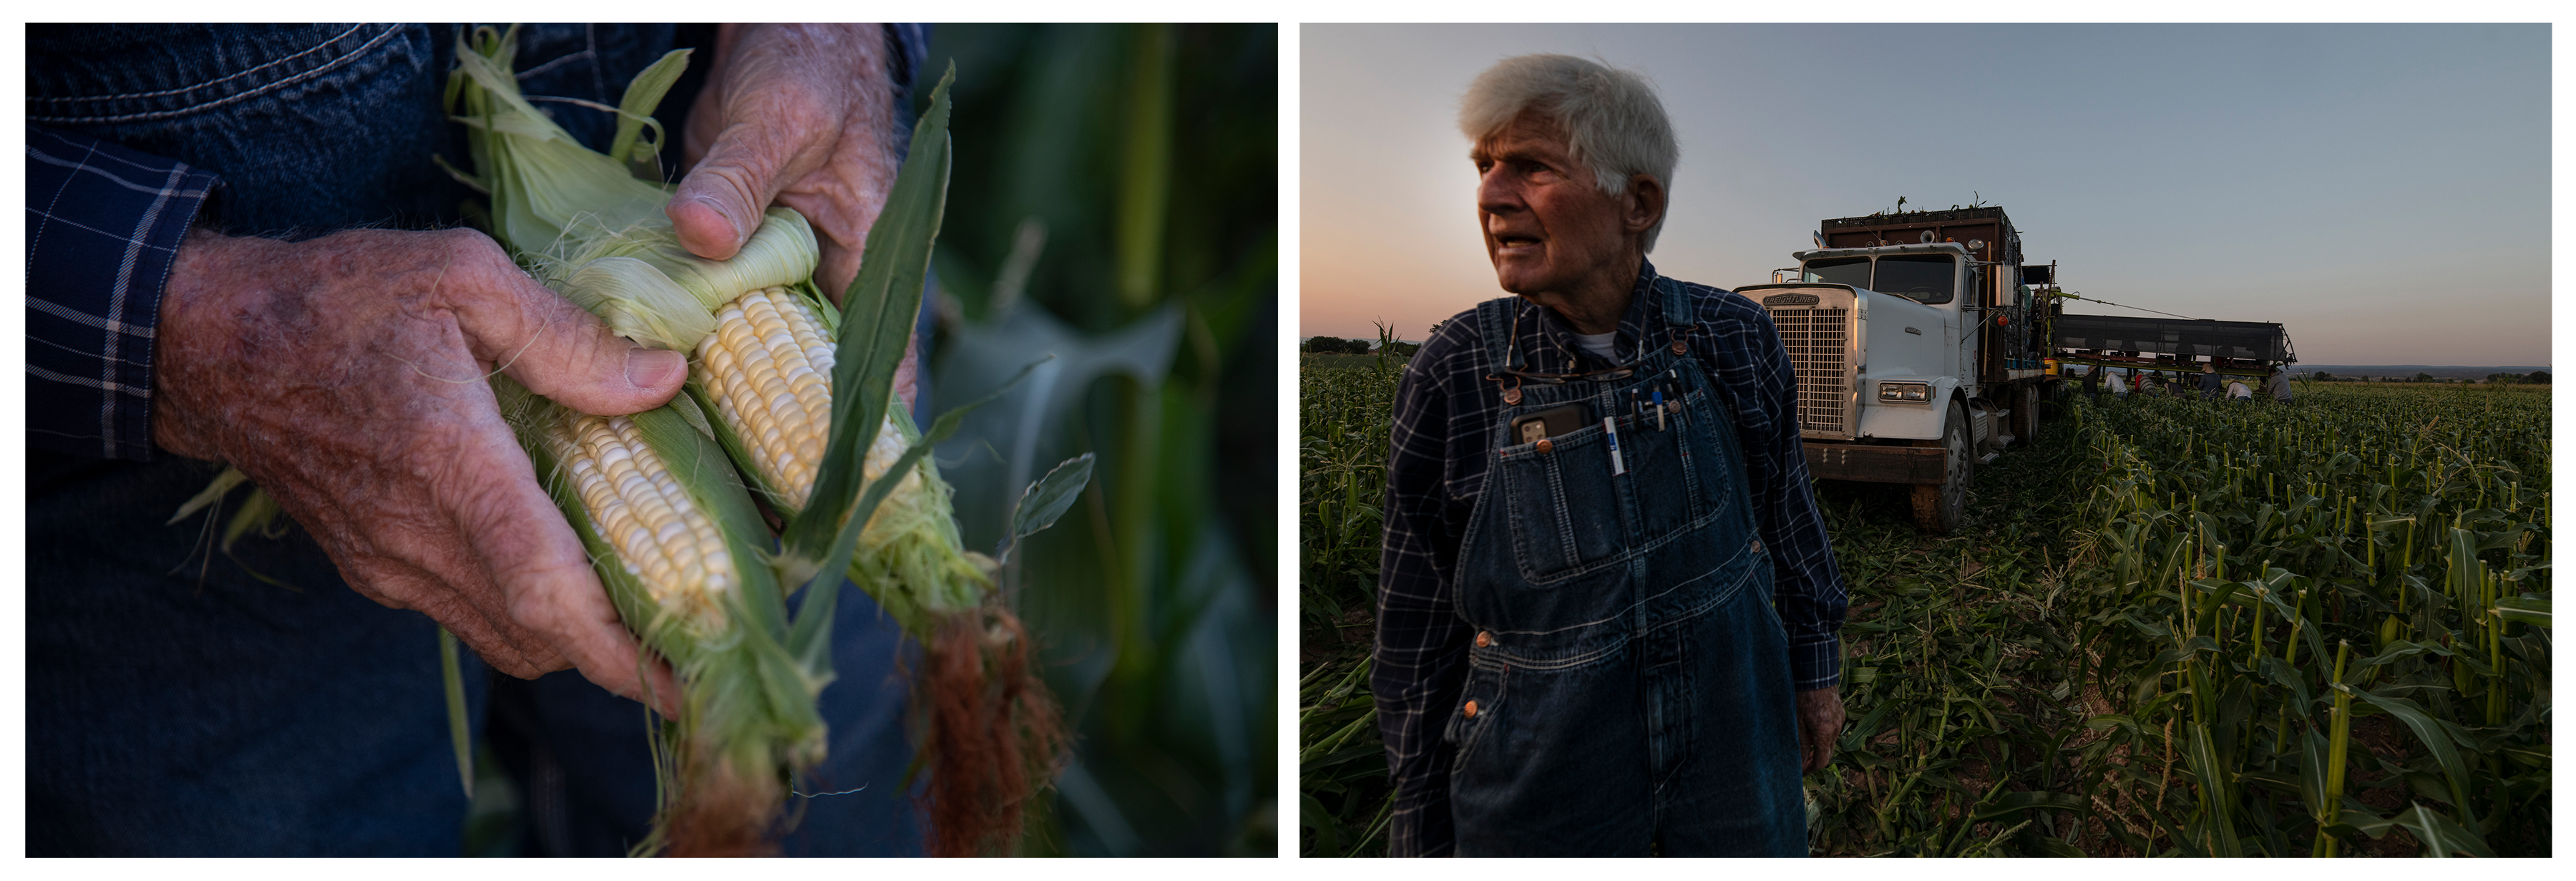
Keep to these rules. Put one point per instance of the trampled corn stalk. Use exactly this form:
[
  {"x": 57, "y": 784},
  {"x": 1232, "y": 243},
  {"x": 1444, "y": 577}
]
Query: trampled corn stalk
[{"x": 787, "y": 401}]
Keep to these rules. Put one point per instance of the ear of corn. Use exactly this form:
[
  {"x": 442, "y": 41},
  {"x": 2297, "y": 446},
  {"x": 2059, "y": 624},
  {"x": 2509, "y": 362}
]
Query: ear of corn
[
  {"x": 765, "y": 373},
  {"x": 796, "y": 394},
  {"x": 682, "y": 550},
  {"x": 765, "y": 370}
]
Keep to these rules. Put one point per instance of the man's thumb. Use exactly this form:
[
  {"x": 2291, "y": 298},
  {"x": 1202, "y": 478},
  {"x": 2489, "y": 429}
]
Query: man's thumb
[
  {"x": 564, "y": 353},
  {"x": 719, "y": 203}
]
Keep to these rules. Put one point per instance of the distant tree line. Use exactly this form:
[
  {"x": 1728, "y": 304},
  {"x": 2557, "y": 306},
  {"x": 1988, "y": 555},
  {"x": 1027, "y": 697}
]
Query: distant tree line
[
  {"x": 1324, "y": 345},
  {"x": 2536, "y": 377}
]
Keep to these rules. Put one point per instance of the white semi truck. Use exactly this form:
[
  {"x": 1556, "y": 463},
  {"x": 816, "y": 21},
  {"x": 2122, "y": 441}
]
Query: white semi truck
[
  {"x": 1913, "y": 339},
  {"x": 1924, "y": 346}
]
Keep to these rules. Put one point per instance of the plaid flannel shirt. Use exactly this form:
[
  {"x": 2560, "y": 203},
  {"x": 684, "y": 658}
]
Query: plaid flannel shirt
[
  {"x": 103, "y": 226},
  {"x": 1444, "y": 413}
]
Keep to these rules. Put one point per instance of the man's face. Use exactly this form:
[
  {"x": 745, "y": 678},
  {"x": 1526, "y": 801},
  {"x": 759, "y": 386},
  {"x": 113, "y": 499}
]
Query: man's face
[{"x": 1547, "y": 227}]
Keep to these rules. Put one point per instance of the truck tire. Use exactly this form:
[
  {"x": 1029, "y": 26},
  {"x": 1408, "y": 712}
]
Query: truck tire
[{"x": 1938, "y": 506}]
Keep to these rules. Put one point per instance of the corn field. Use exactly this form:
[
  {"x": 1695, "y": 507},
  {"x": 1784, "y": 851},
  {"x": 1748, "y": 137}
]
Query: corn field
[{"x": 2172, "y": 627}]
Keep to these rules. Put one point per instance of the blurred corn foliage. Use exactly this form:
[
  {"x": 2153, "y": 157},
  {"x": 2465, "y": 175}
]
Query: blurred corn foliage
[{"x": 1115, "y": 204}]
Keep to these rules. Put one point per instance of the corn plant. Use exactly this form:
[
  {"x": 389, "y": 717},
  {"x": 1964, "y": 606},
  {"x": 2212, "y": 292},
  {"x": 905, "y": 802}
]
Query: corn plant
[
  {"x": 2171, "y": 627},
  {"x": 1341, "y": 453},
  {"x": 2268, "y": 581}
]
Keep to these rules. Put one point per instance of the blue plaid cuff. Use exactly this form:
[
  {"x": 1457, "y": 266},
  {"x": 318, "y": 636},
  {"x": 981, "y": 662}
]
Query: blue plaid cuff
[{"x": 104, "y": 225}]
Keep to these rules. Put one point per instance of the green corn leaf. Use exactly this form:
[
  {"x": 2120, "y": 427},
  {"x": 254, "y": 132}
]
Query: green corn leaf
[
  {"x": 2216, "y": 790},
  {"x": 2285, "y": 676},
  {"x": 2053, "y": 846},
  {"x": 876, "y": 323},
  {"x": 2526, "y": 609},
  {"x": 459, "y": 732},
  {"x": 807, "y": 640},
  {"x": 2430, "y": 732},
  {"x": 2403, "y": 649},
  {"x": 2013, "y": 803},
  {"x": 2358, "y": 818},
  {"x": 2441, "y": 837},
  {"x": 1046, "y": 500}
]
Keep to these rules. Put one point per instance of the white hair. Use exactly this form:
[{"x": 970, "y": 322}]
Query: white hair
[{"x": 1613, "y": 123}]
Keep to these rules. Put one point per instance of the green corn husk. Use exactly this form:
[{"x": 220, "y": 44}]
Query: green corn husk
[
  {"x": 586, "y": 226},
  {"x": 590, "y": 229},
  {"x": 599, "y": 235}
]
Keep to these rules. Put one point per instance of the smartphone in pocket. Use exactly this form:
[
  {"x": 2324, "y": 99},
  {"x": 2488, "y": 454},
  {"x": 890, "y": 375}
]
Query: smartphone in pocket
[{"x": 1551, "y": 422}]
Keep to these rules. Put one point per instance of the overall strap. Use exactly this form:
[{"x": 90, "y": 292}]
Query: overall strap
[
  {"x": 1494, "y": 323},
  {"x": 1677, "y": 305}
]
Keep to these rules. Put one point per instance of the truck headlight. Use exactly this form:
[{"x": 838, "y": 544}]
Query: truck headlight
[{"x": 1910, "y": 392}]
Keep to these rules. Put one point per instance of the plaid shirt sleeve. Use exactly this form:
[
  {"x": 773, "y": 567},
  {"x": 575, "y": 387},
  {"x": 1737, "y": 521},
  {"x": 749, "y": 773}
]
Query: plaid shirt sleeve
[
  {"x": 103, "y": 226},
  {"x": 1420, "y": 662}
]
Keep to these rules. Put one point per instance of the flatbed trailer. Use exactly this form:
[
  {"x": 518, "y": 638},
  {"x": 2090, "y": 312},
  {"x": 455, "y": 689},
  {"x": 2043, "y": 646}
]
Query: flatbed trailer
[{"x": 2238, "y": 348}]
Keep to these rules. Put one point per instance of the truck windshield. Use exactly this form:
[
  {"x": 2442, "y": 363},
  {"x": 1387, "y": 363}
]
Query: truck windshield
[
  {"x": 1924, "y": 278},
  {"x": 1852, "y": 271}
]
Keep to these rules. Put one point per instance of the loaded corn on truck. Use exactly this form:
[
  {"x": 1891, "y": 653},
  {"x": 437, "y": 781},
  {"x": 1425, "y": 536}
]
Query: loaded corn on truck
[{"x": 1924, "y": 344}]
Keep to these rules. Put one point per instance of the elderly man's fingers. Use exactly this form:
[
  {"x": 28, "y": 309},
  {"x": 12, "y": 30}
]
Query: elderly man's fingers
[
  {"x": 907, "y": 373},
  {"x": 775, "y": 109},
  {"x": 520, "y": 544},
  {"x": 545, "y": 342},
  {"x": 544, "y": 574},
  {"x": 719, "y": 203},
  {"x": 598, "y": 645}
]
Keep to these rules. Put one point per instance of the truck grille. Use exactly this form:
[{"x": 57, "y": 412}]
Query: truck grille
[{"x": 1817, "y": 340}]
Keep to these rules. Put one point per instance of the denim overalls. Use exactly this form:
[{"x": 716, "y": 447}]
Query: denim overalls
[{"x": 1628, "y": 689}]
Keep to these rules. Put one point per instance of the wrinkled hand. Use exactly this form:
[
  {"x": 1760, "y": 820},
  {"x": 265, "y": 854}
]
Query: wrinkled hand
[
  {"x": 346, "y": 376},
  {"x": 802, "y": 115},
  {"x": 1820, "y": 723}
]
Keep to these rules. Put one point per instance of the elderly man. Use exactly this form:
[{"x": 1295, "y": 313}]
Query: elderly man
[
  {"x": 1608, "y": 613},
  {"x": 241, "y": 249}
]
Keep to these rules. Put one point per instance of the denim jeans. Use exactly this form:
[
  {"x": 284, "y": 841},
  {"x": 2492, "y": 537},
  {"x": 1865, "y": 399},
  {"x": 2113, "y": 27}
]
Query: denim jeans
[
  {"x": 177, "y": 705},
  {"x": 1628, "y": 689}
]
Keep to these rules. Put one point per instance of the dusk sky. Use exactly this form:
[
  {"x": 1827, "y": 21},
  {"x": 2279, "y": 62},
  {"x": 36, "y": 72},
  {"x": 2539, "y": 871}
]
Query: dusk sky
[{"x": 2383, "y": 191}]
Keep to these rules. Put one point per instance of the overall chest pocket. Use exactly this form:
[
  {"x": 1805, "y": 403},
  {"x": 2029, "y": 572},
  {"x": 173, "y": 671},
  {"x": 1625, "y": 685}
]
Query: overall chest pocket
[{"x": 1572, "y": 512}]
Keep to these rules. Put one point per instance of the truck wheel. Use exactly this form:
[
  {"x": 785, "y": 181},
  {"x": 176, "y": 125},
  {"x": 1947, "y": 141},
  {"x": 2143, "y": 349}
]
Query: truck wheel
[
  {"x": 1938, "y": 507},
  {"x": 2025, "y": 415}
]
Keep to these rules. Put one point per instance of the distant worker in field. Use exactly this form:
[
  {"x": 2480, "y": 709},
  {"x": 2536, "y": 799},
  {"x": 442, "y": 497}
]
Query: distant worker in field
[
  {"x": 2209, "y": 388},
  {"x": 2277, "y": 385},
  {"x": 1608, "y": 615},
  {"x": 2237, "y": 391}
]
